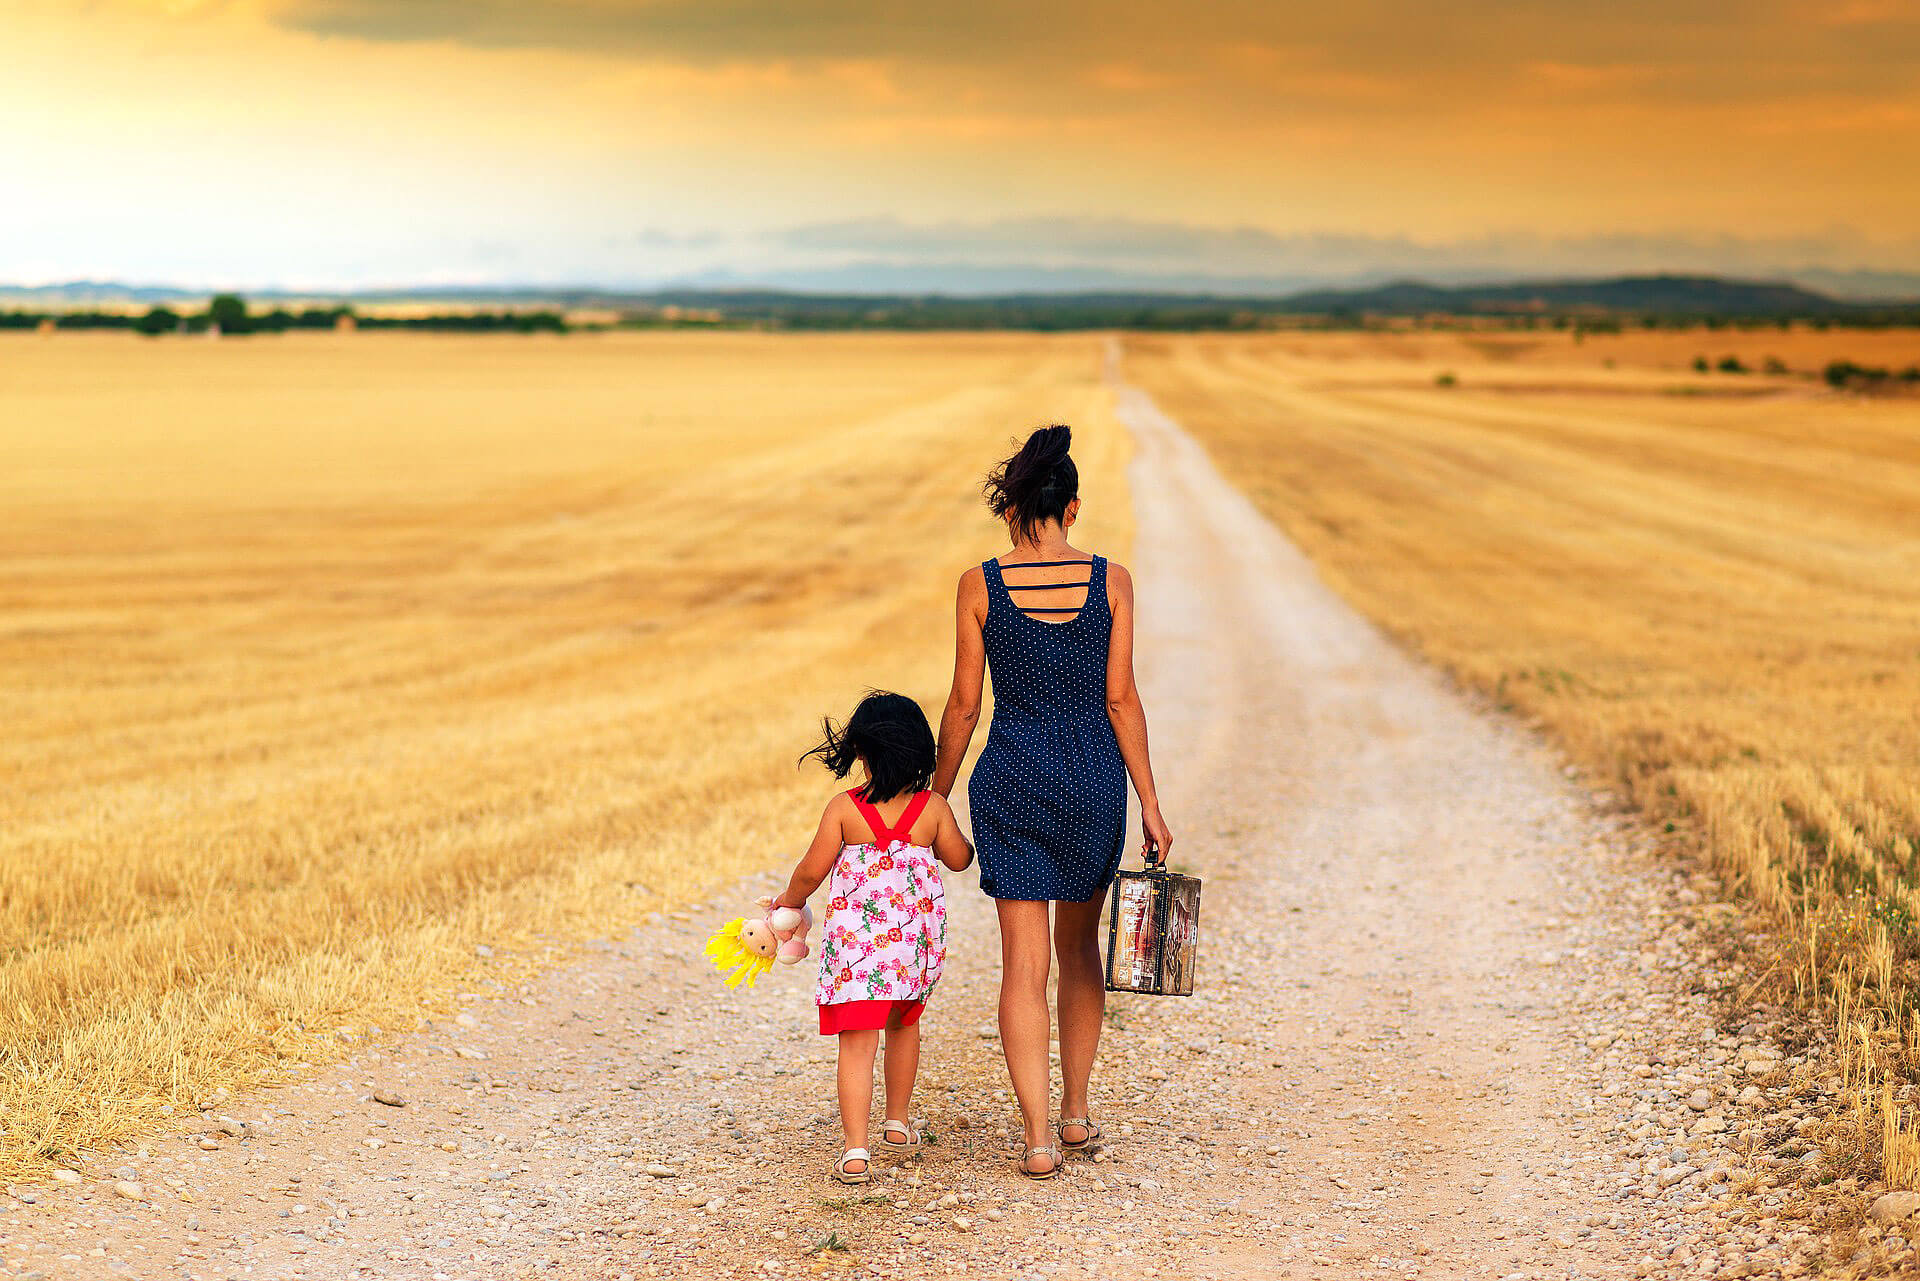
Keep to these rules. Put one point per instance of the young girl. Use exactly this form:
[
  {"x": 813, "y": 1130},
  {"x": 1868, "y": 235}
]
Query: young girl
[{"x": 885, "y": 933}]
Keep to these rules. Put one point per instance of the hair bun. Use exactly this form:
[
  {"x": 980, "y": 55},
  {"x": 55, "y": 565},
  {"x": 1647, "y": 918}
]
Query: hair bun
[
  {"x": 1050, "y": 445},
  {"x": 1038, "y": 483}
]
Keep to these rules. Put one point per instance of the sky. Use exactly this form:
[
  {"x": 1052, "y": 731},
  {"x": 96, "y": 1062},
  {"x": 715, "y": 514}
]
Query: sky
[{"x": 357, "y": 143}]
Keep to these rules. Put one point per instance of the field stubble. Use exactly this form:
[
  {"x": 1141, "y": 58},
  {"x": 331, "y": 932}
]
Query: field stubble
[
  {"x": 327, "y": 659},
  {"x": 1711, "y": 600}
]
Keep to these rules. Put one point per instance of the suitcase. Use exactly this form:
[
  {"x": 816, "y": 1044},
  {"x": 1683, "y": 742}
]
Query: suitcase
[{"x": 1153, "y": 933}]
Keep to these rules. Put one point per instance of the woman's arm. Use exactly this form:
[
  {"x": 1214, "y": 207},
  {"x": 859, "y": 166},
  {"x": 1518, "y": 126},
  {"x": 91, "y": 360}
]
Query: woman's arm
[
  {"x": 817, "y": 863},
  {"x": 1129, "y": 717},
  {"x": 969, "y": 672}
]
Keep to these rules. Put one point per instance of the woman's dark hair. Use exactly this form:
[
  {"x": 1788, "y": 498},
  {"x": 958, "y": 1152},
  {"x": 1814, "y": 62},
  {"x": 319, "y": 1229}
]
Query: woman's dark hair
[
  {"x": 889, "y": 732},
  {"x": 1037, "y": 483}
]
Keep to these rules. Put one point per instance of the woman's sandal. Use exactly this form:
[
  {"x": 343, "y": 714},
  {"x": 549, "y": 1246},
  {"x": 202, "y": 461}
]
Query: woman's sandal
[
  {"x": 1051, "y": 1153},
  {"x": 843, "y": 1175},
  {"x": 1093, "y": 1134},
  {"x": 912, "y": 1141}
]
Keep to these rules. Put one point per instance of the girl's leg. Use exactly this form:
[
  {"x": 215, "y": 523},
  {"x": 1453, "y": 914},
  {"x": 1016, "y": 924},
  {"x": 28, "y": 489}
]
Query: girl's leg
[
  {"x": 1023, "y": 1014},
  {"x": 1083, "y": 1002},
  {"x": 856, "y": 1088},
  {"x": 902, "y": 1066}
]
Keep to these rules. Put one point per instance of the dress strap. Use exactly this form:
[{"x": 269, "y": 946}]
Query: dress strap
[
  {"x": 869, "y": 813},
  {"x": 903, "y": 830},
  {"x": 884, "y": 835}
]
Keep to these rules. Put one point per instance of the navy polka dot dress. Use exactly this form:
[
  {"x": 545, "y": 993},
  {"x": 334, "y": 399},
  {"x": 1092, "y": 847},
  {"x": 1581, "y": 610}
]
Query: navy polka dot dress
[{"x": 1049, "y": 795}]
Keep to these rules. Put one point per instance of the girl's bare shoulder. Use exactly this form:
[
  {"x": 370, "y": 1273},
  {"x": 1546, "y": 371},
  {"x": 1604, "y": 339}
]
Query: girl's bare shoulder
[{"x": 839, "y": 809}]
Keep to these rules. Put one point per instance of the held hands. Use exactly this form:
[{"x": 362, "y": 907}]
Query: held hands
[{"x": 1158, "y": 842}]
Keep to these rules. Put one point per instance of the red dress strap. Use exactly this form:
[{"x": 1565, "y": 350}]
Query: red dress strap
[
  {"x": 869, "y": 813},
  {"x": 883, "y": 834},
  {"x": 903, "y": 830}
]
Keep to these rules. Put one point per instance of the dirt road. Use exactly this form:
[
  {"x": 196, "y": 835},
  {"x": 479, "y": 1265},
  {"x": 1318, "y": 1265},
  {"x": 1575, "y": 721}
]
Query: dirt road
[{"x": 1431, "y": 972}]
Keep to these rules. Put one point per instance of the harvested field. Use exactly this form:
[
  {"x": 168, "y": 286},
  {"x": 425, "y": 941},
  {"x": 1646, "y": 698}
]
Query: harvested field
[
  {"x": 1712, "y": 601},
  {"x": 326, "y": 659}
]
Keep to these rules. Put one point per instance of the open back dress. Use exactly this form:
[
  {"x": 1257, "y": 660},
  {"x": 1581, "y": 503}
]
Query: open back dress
[{"x": 1048, "y": 797}]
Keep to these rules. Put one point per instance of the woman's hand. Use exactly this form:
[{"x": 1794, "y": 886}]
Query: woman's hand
[{"x": 1159, "y": 837}]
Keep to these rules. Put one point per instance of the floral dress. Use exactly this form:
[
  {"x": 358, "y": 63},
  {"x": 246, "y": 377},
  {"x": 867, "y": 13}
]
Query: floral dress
[{"x": 885, "y": 935}]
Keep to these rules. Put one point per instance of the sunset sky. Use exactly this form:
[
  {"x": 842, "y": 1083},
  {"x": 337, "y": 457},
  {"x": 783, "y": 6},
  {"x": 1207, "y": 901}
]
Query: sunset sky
[{"x": 352, "y": 142}]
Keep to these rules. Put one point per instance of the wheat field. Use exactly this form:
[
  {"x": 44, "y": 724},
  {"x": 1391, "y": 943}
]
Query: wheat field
[
  {"x": 1706, "y": 587},
  {"x": 327, "y": 659}
]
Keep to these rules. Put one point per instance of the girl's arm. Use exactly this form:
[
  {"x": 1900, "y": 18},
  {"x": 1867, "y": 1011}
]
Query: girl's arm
[
  {"x": 817, "y": 862},
  {"x": 969, "y": 671},
  {"x": 952, "y": 849},
  {"x": 1129, "y": 717}
]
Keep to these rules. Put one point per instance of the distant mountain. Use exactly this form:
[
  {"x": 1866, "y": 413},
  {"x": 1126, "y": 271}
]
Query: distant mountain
[
  {"x": 1860, "y": 284},
  {"x": 87, "y": 292},
  {"x": 1664, "y": 294},
  {"x": 1121, "y": 305},
  {"x": 959, "y": 279}
]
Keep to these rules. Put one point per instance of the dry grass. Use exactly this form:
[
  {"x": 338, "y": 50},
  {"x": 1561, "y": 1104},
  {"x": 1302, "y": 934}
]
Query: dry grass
[
  {"x": 1714, "y": 601},
  {"x": 326, "y": 658}
]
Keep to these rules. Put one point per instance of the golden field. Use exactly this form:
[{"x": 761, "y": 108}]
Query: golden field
[
  {"x": 326, "y": 658},
  {"x": 1706, "y": 587}
]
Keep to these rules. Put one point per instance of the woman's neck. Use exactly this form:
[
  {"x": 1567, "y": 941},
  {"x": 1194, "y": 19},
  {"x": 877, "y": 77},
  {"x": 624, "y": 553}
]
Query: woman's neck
[{"x": 1047, "y": 544}]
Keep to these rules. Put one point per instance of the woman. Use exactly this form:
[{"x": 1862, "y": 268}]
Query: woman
[{"x": 1048, "y": 796}]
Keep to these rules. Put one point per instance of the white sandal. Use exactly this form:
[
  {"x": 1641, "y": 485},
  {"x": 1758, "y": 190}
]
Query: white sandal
[
  {"x": 843, "y": 1175},
  {"x": 910, "y": 1143},
  {"x": 1055, "y": 1160},
  {"x": 1094, "y": 1135}
]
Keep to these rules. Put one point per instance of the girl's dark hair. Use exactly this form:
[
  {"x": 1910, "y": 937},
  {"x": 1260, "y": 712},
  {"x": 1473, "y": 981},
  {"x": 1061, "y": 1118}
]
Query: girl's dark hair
[
  {"x": 888, "y": 731},
  {"x": 1037, "y": 483}
]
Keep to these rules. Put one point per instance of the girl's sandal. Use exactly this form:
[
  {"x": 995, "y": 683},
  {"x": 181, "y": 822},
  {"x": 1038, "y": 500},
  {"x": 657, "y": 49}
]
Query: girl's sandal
[
  {"x": 910, "y": 1143},
  {"x": 1094, "y": 1136},
  {"x": 1051, "y": 1153},
  {"x": 843, "y": 1175}
]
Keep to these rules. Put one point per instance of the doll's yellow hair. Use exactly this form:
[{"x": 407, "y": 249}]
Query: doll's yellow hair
[{"x": 727, "y": 950}]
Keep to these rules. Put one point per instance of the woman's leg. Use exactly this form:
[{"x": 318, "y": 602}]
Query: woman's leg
[
  {"x": 856, "y": 1088},
  {"x": 1083, "y": 1002},
  {"x": 1024, "y": 949},
  {"x": 902, "y": 1066}
]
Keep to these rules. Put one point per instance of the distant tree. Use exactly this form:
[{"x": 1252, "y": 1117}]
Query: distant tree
[
  {"x": 1700, "y": 365},
  {"x": 229, "y": 311},
  {"x": 1842, "y": 374},
  {"x": 1445, "y": 379},
  {"x": 160, "y": 319},
  {"x": 1731, "y": 365},
  {"x": 1775, "y": 365}
]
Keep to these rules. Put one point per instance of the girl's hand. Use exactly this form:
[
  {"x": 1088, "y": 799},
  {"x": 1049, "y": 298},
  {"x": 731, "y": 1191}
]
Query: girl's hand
[{"x": 1159, "y": 837}]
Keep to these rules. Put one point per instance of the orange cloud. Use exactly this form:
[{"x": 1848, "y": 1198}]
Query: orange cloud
[
  {"x": 1581, "y": 78},
  {"x": 1128, "y": 77}
]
